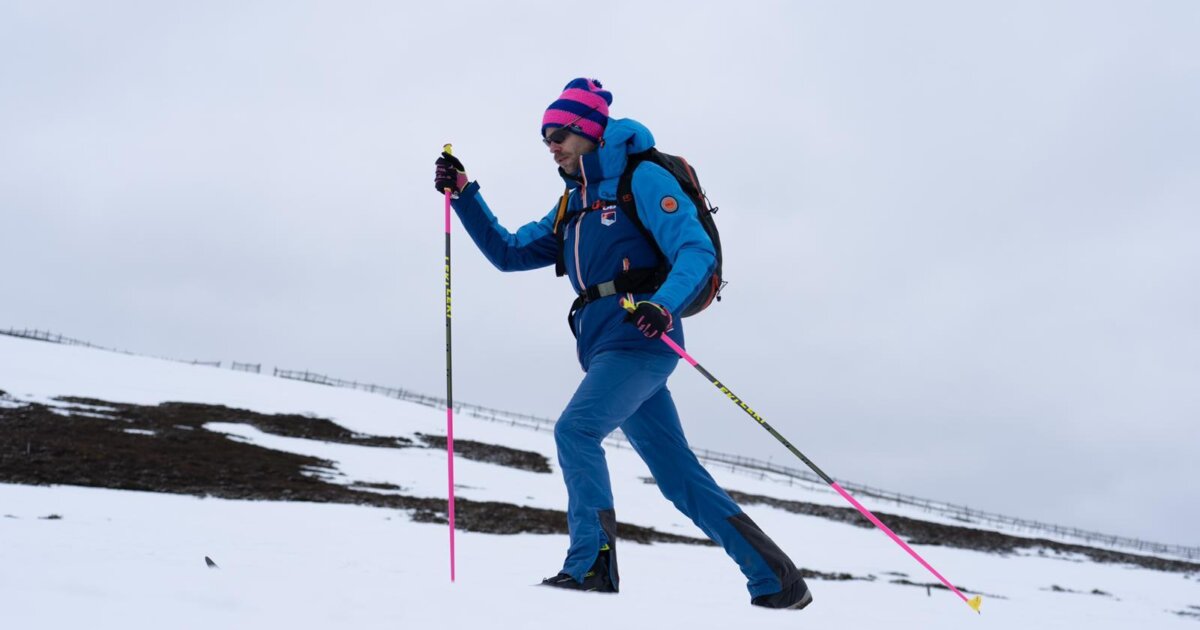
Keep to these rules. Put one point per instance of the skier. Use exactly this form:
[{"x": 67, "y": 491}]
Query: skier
[{"x": 626, "y": 366}]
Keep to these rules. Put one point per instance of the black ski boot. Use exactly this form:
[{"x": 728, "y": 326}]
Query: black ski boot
[
  {"x": 601, "y": 578},
  {"x": 794, "y": 596}
]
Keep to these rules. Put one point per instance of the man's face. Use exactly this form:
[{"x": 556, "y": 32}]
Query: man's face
[{"x": 567, "y": 153}]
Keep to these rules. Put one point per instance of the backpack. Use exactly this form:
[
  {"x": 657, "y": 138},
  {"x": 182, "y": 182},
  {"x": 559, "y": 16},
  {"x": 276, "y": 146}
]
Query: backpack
[{"x": 648, "y": 280}]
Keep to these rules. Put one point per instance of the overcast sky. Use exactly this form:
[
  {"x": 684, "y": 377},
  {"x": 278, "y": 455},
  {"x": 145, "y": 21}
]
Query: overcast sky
[{"x": 962, "y": 239}]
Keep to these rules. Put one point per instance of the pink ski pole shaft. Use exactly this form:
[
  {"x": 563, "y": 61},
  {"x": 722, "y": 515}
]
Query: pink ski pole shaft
[
  {"x": 974, "y": 602},
  {"x": 449, "y": 391}
]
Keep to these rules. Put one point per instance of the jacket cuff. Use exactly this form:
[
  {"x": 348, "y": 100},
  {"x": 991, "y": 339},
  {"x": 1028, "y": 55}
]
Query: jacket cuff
[{"x": 467, "y": 192}]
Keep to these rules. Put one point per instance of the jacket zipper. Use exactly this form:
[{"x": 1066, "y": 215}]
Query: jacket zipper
[
  {"x": 578, "y": 223},
  {"x": 578, "y": 271},
  {"x": 583, "y": 175}
]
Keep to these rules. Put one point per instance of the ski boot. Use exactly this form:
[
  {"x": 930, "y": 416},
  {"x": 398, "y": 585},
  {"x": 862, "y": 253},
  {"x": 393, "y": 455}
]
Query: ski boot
[
  {"x": 794, "y": 596},
  {"x": 601, "y": 578}
]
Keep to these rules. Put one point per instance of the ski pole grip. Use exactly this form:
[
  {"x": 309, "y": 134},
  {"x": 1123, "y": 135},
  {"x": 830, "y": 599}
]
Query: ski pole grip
[{"x": 448, "y": 150}]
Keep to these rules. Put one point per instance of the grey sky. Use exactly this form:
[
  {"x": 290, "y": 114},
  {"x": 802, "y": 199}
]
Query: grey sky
[{"x": 962, "y": 239}]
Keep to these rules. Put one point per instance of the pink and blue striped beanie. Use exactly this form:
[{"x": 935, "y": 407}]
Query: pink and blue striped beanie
[{"x": 581, "y": 96}]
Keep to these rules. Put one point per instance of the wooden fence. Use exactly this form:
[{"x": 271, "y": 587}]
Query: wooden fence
[{"x": 41, "y": 335}]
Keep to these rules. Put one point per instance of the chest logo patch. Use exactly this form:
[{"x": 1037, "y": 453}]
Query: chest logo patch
[
  {"x": 668, "y": 204},
  {"x": 608, "y": 217}
]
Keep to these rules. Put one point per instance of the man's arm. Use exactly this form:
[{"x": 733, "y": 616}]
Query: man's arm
[
  {"x": 670, "y": 216},
  {"x": 531, "y": 247}
]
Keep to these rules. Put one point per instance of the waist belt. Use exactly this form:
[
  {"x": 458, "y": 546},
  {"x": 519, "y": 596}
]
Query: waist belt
[{"x": 631, "y": 281}]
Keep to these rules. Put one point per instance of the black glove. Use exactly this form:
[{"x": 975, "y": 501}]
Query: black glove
[
  {"x": 449, "y": 173},
  {"x": 650, "y": 318}
]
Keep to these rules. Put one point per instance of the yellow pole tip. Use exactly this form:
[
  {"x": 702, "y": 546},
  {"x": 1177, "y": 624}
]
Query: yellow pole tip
[
  {"x": 448, "y": 149},
  {"x": 975, "y": 602}
]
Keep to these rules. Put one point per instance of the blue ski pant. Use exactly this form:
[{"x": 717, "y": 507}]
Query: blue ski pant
[{"x": 627, "y": 390}]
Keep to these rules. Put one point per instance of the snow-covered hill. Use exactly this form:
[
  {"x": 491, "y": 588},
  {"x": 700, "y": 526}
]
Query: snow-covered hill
[{"x": 360, "y": 545}]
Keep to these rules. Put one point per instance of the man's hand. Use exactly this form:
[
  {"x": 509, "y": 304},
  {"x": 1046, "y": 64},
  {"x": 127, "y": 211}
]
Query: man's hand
[
  {"x": 650, "y": 318},
  {"x": 449, "y": 174}
]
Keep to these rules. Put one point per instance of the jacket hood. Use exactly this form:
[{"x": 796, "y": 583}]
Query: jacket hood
[{"x": 603, "y": 167}]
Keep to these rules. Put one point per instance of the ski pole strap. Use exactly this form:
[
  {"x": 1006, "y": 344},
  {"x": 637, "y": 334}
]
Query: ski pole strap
[{"x": 646, "y": 280}]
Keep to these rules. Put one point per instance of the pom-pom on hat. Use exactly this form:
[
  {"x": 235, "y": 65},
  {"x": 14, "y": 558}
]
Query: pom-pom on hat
[{"x": 581, "y": 97}]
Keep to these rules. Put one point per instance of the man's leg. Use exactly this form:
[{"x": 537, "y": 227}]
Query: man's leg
[
  {"x": 616, "y": 384},
  {"x": 655, "y": 433}
]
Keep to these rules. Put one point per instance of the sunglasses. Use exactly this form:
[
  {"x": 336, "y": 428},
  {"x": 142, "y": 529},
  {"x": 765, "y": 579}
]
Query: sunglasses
[{"x": 559, "y": 136}]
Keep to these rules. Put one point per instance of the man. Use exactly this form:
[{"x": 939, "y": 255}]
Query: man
[{"x": 592, "y": 242}]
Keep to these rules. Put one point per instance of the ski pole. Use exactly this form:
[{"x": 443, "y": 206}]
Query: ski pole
[
  {"x": 974, "y": 602},
  {"x": 449, "y": 388}
]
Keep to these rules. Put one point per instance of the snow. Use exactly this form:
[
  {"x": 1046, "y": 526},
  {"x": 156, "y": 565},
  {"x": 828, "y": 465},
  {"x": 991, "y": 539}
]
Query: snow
[{"x": 122, "y": 559}]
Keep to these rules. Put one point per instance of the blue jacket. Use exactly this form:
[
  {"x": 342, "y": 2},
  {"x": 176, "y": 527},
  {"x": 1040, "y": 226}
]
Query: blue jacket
[{"x": 598, "y": 240}]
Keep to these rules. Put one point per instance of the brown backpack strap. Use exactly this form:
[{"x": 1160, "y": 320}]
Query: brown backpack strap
[{"x": 562, "y": 209}]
